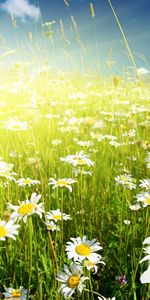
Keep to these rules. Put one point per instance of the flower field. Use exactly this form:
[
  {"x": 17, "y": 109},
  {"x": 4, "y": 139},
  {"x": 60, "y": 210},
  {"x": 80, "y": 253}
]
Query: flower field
[{"x": 74, "y": 185}]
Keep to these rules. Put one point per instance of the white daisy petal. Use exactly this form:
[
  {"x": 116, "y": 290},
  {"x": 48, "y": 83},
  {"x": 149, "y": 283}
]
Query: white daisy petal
[{"x": 145, "y": 277}]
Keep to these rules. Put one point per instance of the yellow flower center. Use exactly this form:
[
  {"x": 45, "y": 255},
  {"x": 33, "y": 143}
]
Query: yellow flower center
[
  {"x": 62, "y": 182},
  {"x": 83, "y": 249},
  {"x": 16, "y": 294},
  {"x": 50, "y": 227},
  {"x": 89, "y": 263},
  {"x": 148, "y": 200},
  {"x": 16, "y": 126},
  {"x": 123, "y": 178},
  {"x": 73, "y": 281},
  {"x": 128, "y": 183},
  {"x": 27, "y": 181},
  {"x": 2, "y": 232},
  {"x": 57, "y": 217},
  {"x": 81, "y": 161},
  {"x": 26, "y": 209}
]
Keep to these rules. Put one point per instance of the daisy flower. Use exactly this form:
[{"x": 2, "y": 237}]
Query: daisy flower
[
  {"x": 144, "y": 197},
  {"x": 27, "y": 208},
  {"x": 51, "y": 226},
  {"x": 63, "y": 182},
  {"x": 134, "y": 206},
  {"x": 81, "y": 248},
  {"x": 127, "y": 222},
  {"x": 57, "y": 215},
  {"x": 78, "y": 171},
  {"x": 99, "y": 137},
  {"x": 5, "y": 170},
  {"x": 126, "y": 181},
  {"x": 103, "y": 298},
  {"x": 56, "y": 142},
  {"x": 15, "y": 294},
  {"x": 14, "y": 124},
  {"x": 114, "y": 143},
  {"x": 92, "y": 266},
  {"x": 145, "y": 277},
  {"x": 146, "y": 250},
  {"x": 27, "y": 181},
  {"x": 71, "y": 279},
  {"x": 79, "y": 159},
  {"x": 8, "y": 230},
  {"x": 145, "y": 183},
  {"x": 83, "y": 143}
]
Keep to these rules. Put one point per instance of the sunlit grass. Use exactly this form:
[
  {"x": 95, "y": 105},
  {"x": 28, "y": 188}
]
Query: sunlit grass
[
  {"x": 74, "y": 162},
  {"x": 63, "y": 111}
]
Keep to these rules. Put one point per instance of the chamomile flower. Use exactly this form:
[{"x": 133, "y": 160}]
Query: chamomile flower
[
  {"x": 78, "y": 171},
  {"x": 92, "y": 266},
  {"x": 27, "y": 208},
  {"x": 147, "y": 241},
  {"x": 103, "y": 298},
  {"x": 126, "y": 180},
  {"x": 144, "y": 198},
  {"x": 27, "y": 181},
  {"x": 127, "y": 222},
  {"x": 114, "y": 143},
  {"x": 78, "y": 159},
  {"x": 81, "y": 248},
  {"x": 8, "y": 230},
  {"x": 145, "y": 277},
  {"x": 134, "y": 206},
  {"x": 85, "y": 144},
  {"x": 56, "y": 142},
  {"x": 97, "y": 136},
  {"x": 63, "y": 182},
  {"x": 6, "y": 170},
  {"x": 51, "y": 226},
  {"x": 14, "y": 124},
  {"x": 57, "y": 215},
  {"x": 145, "y": 184},
  {"x": 146, "y": 250},
  {"x": 71, "y": 279},
  {"x": 15, "y": 294}
]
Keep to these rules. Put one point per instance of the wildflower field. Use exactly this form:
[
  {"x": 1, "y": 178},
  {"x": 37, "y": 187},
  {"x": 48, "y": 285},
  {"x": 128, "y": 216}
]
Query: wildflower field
[
  {"x": 74, "y": 182},
  {"x": 74, "y": 167}
]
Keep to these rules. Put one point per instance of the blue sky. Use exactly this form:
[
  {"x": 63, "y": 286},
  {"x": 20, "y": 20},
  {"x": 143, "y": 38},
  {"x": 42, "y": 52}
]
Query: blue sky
[{"x": 101, "y": 35}]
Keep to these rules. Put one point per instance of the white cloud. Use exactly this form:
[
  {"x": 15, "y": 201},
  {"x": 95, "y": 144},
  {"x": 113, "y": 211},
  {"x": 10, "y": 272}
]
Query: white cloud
[{"x": 21, "y": 8}]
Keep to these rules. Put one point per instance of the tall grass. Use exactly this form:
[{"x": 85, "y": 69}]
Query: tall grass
[{"x": 63, "y": 110}]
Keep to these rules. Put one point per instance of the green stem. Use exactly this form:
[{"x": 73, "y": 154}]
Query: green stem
[
  {"x": 81, "y": 199},
  {"x": 52, "y": 253},
  {"x": 95, "y": 293},
  {"x": 62, "y": 226},
  {"x": 125, "y": 40},
  {"x": 30, "y": 226}
]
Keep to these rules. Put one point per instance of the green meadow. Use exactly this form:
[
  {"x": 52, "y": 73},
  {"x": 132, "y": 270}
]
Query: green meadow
[
  {"x": 74, "y": 166},
  {"x": 67, "y": 114}
]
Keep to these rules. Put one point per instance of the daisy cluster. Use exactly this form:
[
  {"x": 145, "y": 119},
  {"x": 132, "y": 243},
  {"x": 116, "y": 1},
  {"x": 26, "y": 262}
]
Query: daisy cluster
[
  {"x": 91, "y": 140},
  {"x": 83, "y": 254},
  {"x": 6, "y": 170},
  {"x": 79, "y": 162}
]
